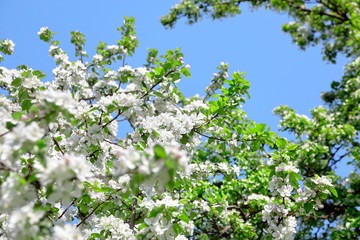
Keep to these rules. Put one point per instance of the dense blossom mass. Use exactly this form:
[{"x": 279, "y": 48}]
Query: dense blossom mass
[
  {"x": 330, "y": 138},
  {"x": 189, "y": 168}
]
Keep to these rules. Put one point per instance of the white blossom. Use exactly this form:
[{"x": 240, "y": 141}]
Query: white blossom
[
  {"x": 66, "y": 232},
  {"x": 42, "y": 30}
]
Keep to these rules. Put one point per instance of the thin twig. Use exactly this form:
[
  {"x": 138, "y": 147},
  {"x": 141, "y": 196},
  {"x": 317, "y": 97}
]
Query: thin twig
[
  {"x": 7, "y": 167},
  {"x": 113, "y": 143},
  {"x": 57, "y": 144},
  {"x": 121, "y": 120},
  {"x": 73, "y": 201},
  {"x": 119, "y": 113},
  {"x": 1, "y": 135},
  {"x": 160, "y": 81},
  {"x": 147, "y": 93},
  {"x": 82, "y": 221},
  {"x": 133, "y": 213},
  {"x": 93, "y": 153},
  {"x": 208, "y": 122},
  {"x": 175, "y": 106},
  {"x": 320, "y": 13},
  {"x": 211, "y": 137}
]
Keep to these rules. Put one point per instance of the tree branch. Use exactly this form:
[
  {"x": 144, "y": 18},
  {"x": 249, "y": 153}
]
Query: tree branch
[
  {"x": 160, "y": 81},
  {"x": 211, "y": 137},
  {"x": 342, "y": 19},
  {"x": 3, "y": 134},
  {"x": 57, "y": 144},
  {"x": 73, "y": 201},
  {"x": 6, "y": 166},
  {"x": 119, "y": 113},
  {"x": 113, "y": 143},
  {"x": 133, "y": 213},
  {"x": 82, "y": 221},
  {"x": 209, "y": 121}
]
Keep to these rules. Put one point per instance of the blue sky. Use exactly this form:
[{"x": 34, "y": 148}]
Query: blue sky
[{"x": 279, "y": 73}]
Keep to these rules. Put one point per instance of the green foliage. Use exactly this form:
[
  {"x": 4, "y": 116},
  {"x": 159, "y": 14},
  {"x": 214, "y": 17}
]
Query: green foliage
[
  {"x": 239, "y": 163},
  {"x": 334, "y": 23},
  {"x": 331, "y": 135}
]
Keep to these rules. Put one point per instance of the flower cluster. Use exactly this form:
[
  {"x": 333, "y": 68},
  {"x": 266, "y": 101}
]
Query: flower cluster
[
  {"x": 62, "y": 158},
  {"x": 281, "y": 226}
]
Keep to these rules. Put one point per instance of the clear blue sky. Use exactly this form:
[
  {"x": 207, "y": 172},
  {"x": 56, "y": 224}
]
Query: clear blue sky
[{"x": 279, "y": 73}]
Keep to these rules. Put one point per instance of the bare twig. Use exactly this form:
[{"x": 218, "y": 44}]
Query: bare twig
[
  {"x": 113, "y": 143},
  {"x": 6, "y": 166},
  {"x": 3, "y": 134},
  {"x": 121, "y": 120},
  {"x": 57, "y": 144},
  {"x": 211, "y": 137},
  {"x": 73, "y": 201},
  {"x": 175, "y": 106},
  {"x": 133, "y": 213},
  {"x": 119, "y": 113}
]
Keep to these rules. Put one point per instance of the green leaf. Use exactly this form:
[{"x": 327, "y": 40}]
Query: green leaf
[
  {"x": 22, "y": 67},
  {"x": 168, "y": 66},
  {"x": 23, "y": 95},
  {"x": 169, "y": 52},
  {"x": 308, "y": 183},
  {"x": 83, "y": 208},
  {"x": 323, "y": 195},
  {"x": 184, "y": 217},
  {"x": 32, "y": 178},
  {"x": 292, "y": 147},
  {"x": 281, "y": 143},
  {"x": 25, "y": 74},
  {"x": 295, "y": 175},
  {"x": 96, "y": 235},
  {"x": 10, "y": 125},
  {"x": 150, "y": 75},
  {"x": 96, "y": 189},
  {"x": 143, "y": 225},
  {"x": 308, "y": 206},
  {"x": 17, "y": 115},
  {"x": 26, "y": 105},
  {"x": 158, "y": 94},
  {"x": 54, "y": 209},
  {"x": 159, "y": 71},
  {"x": 185, "y": 139},
  {"x": 260, "y": 127},
  {"x": 177, "y": 228},
  {"x": 169, "y": 163},
  {"x": 156, "y": 210},
  {"x": 159, "y": 152},
  {"x": 41, "y": 144},
  {"x": 22, "y": 180},
  {"x": 356, "y": 222},
  {"x": 86, "y": 198},
  {"x": 136, "y": 180},
  {"x": 294, "y": 180},
  {"x": 16, "y": 82},
  {"x": 186, "y": 72},
  {"x": 255, "y": 146},
  {"x": 105, "y": 189},
  {"x": 213, "y": 108},
  {"x": 333, "y": 191},
  {"x": 40, "y": 75}
]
